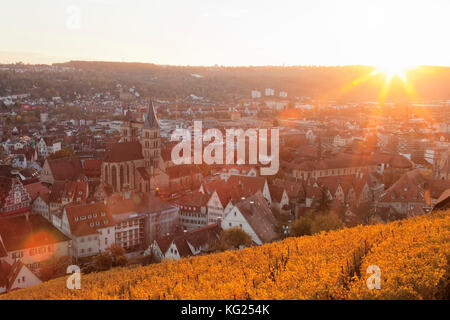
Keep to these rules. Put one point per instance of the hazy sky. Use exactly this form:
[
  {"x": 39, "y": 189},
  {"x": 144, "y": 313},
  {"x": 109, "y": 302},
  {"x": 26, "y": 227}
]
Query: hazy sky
[{"x": 228, "y": 32}]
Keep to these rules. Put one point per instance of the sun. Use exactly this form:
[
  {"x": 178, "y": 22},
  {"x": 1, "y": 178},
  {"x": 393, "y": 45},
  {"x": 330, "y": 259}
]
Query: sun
[{"x": 392, "y": 70}]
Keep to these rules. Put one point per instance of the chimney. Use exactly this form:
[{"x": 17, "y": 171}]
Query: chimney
[{"x": 27, "y": 218}]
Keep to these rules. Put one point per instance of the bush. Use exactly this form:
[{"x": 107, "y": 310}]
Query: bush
[{"x": 233, "y": 238}]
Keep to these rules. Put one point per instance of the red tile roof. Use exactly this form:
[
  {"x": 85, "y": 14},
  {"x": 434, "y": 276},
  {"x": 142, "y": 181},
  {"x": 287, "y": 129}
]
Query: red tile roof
[
  {"x": 196, "y": 199},
  {"x": 124, "y": 151},
  {"x": 258, "y": 215},
  {"x": 71, "y": 190},
  {"x": 17, "y": 233},
  {"x": 276, "y": 193},
  {"x": 66, "y": 168},
  {"x": 92, "y": 167},
  {"x": 183, "y": 170},
  {"x": 197, "y": 238},
  {"x": 35, "y": 189},
  {"x": 85, "y": 219}
]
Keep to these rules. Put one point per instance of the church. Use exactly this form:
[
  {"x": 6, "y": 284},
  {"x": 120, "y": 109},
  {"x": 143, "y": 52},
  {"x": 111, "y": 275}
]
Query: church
[{"x": 133, "y": 163}]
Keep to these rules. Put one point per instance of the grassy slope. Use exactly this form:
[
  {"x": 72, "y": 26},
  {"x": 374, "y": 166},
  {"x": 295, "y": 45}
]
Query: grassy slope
[{"x": 413, "y": 256}]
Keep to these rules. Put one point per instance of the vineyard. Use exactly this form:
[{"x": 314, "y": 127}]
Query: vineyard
[{"x": 412, "y": 256}]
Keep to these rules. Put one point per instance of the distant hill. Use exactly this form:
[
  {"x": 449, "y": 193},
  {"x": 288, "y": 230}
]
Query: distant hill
[
  {"x": 226, "y": 84},
  {"x": 345, "y": 83},
  {"x": 412, "y": 255}
]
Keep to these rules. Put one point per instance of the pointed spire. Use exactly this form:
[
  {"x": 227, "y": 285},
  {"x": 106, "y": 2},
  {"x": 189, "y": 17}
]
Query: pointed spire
[{"x": 151, "y": 120}]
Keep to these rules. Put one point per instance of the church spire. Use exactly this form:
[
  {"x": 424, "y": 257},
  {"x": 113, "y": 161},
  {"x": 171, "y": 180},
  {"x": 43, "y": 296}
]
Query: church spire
[{"x": 151, "y": 120}]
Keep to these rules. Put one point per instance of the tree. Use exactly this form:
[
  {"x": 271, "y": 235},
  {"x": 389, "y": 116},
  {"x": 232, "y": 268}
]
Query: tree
[
  {"x": 322, "y": 204},
  {"x": 282, "y": 223},
  {"x": 65, "y": 152},
  {"x": 103, "y": 261},
  {"x": 326, "y": 222},
  {"x": 54, "y": 267},
  {"x": 301, "y": 227},
  {"x": 314, "y": 222},
  {"x": 118, "y": 257},
  {"x": 233, "y": 238}
]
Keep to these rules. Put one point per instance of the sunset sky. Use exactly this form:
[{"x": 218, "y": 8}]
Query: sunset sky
[{"x": 231, "y": 32}]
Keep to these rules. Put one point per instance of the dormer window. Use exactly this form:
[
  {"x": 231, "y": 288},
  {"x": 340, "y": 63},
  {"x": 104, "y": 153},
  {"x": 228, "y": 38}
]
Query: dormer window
[
  {"x": 76, "y": 218},
  {"x": 89, "y": 217},
  {"x": 103, "y": 214},
  {"x": 95, "y": 215},
  {"x": 91, "y": 224}
]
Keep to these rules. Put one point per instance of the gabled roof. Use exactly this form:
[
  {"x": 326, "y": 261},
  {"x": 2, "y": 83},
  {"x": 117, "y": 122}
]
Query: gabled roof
[
  {"x": 86, "y": 219},
  {"x": 29, "y": 173},
  {"x": 68, "y": 189},
  {"x": 6, "y": 184},
  {"x": 197, "y": 238},
  {"x": 17, "y": 233},
  {"x": 276, "y": 193},
  {"x": 248, "y": 185},
  {"x": 124, "y": 151},
  {"x": 294, "y": 189},
  {"x": 406, "y": 189},
  {"x": 196, "y": 199},
  {"x": 35, "y": 189},
  {"x": 443, "y": 201},
  {"x": 92, "y": 167},
  {"x": 182, "y": 170},
  {"x": 259, "y": 216},
  {"x": 66, "y": 168}
]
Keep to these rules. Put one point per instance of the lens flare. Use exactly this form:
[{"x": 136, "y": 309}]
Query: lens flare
[{"x": 393, "y": 70}]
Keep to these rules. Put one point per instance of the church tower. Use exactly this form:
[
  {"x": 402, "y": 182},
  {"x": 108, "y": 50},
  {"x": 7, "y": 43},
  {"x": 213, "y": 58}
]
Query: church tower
[{"x": 151, "y": 139}]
